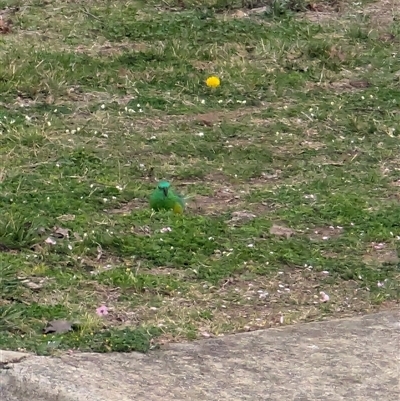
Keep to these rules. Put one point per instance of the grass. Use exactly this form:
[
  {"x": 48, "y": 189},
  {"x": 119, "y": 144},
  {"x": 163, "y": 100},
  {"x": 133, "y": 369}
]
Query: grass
[{"x": 292, "y": 166}]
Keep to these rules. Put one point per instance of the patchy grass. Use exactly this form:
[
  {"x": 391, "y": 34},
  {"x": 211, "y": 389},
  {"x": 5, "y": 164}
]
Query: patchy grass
[{"x": 292, "y": 166}]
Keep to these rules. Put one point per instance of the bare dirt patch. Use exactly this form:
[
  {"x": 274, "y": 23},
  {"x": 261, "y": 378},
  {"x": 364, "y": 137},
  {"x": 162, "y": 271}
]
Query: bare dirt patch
[
  {"x": 111, "y": 49},
  {"x": 324, "y": 233},
  {"x": 127, "y": 208},
  {"x": 381, "y": 253},
  {"x": 342, "y": 85},
  {"x": 383, "y": 12},
  {"x": 281, "y": 231},
  {"x": 237, "y": 304},
  {"x": 222, "y": 199}
]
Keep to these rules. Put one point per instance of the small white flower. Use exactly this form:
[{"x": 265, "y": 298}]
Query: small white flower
[
  {"x": 140, "y": 111},
  {"x": 200, "y": 134},
  {"x": 49, "y": 123},
  {"x": 103, "y": 106},
  {"x": 166, "y": 230},
  {"x": 202, "y": 101},
  {"x": 250, "y": 245}
]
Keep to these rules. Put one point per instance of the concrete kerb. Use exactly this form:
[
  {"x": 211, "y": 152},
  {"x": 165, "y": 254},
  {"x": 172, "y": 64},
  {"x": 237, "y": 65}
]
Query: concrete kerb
[{"x": 350, "y": 359}]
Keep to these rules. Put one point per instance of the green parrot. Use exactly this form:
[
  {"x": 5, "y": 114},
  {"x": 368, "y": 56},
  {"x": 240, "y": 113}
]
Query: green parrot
[{"x": 163, "y": 197}]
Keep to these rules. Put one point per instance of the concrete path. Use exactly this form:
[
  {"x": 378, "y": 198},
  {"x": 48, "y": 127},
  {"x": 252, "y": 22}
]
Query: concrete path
[{"x": 351, "y": 359}]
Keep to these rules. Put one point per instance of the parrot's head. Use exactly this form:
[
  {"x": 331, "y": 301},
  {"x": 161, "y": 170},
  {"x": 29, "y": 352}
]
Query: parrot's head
[{"x": 164, "y": 187}]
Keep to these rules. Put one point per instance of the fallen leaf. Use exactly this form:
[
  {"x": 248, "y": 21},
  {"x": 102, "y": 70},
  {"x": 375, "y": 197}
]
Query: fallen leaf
[
  {"x": 58, "y": 327},
  {"x": 50, "y": 241},
  {"x": 60, "y": 232},
  {"x": 32, "y": 285},
  {"x": 66, "y": 217},
  {"x": 5, "y": 26},
  {"x": 99, "y": 252},
  {"x": 362, "y": 83},
  {"x": 387, "y": 37},
  {"x": 281, "y": 231}
]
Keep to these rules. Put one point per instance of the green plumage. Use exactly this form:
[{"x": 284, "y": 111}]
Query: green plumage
[{"x": 163, "y": 197}]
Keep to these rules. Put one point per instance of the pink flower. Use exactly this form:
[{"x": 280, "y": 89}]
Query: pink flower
[
  {"x": 102, "y": 310},
  {"x": 324, "y": 297}
]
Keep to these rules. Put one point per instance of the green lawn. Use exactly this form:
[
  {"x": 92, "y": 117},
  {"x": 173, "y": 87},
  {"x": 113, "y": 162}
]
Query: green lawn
[{"x": 292, "y": 166}]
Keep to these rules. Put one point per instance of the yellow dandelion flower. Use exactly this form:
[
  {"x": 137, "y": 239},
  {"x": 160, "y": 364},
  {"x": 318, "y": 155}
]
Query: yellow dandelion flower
[{"x": 213, "y": 82}]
